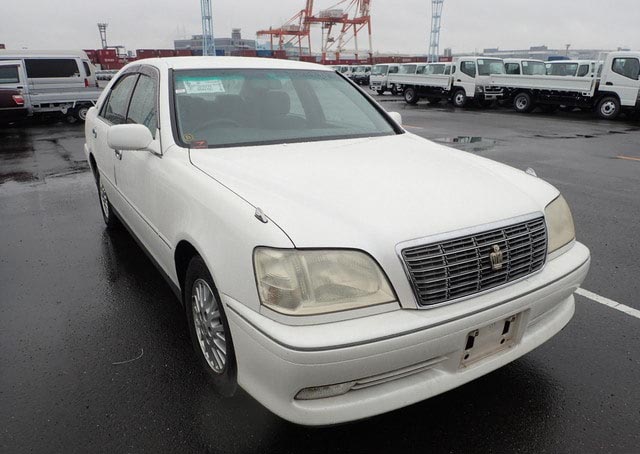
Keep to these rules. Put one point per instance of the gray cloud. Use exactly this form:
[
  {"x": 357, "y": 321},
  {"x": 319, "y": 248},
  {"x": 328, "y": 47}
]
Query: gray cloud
[{"x": 399, "y": 25}]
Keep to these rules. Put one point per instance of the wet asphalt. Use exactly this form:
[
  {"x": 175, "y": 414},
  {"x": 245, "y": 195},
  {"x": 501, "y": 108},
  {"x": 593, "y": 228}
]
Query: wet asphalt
[{"x": 95, "y": 356}]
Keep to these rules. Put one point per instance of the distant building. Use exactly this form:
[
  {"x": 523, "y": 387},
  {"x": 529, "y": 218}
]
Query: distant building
[{"x": 229, "y": 45}]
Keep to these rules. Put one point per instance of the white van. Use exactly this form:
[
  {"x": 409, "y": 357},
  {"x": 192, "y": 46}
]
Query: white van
[
  {"x": 54, "y": 70},
  {"x": 53, "y": 81}
]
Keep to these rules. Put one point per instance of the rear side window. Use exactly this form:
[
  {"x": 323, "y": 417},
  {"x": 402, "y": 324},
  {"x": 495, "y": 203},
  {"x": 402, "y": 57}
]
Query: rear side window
[
  {"x": 583, "y": 70},
  {"x": 87, "y": 68},
  {"x": 142, "y": 109},
  {"x": 9, "y": 75},
  {"x": 42, "y": 68},
  {"x": 115, "y": 109},
  {"x": 469, "y": 68},
  {"x": 627, "y": 67}
]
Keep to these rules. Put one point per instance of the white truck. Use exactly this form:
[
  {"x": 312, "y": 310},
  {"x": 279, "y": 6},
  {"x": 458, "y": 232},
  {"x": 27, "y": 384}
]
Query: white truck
[
  {"x": 617, "y": 89},
  {"x": 53, "y": 81},
  {"x": 379, "y": 78},
  {"x": 469, "y": 79}
]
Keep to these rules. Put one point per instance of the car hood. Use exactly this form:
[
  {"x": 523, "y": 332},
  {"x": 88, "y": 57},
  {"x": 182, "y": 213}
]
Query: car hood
[{"x": 372, "y": 192}]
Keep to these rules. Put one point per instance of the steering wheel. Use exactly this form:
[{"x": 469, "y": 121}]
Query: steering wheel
[{"x": 216, "y": 122}]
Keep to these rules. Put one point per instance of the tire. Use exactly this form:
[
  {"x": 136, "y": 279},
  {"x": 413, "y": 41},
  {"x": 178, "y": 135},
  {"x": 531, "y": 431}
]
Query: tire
[
  {"x": 380, "y": 92},
  {"x": 108, "y": 215},
  {"x": 80, "y": 112},
  {"x": 394, "y": 90},
  {"x": 434, "y": 101},
  {"x": 410, "y": 96},
  {"x": 522, "y": 103},
  {"x": 210, "y": 334},
  {"x": 608, "y": 108},
  {"x": 459, "y": 98}
]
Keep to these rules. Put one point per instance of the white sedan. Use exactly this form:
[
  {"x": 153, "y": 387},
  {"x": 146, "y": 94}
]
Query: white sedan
[{"x": 331, "y": 263}]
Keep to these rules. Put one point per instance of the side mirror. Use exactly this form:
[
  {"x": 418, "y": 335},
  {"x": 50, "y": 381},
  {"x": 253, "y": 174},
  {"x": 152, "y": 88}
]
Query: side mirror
[
  {"x": 129, "y": 137},
  {"x": 395, "y": 116}
]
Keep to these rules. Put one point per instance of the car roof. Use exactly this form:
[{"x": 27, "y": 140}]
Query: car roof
[
  {"x": 228, "y": 63},
  {"x": 19, "y": 53}
]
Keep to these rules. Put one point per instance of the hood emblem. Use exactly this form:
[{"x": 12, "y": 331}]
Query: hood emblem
[{"x": 496, "y": 258}]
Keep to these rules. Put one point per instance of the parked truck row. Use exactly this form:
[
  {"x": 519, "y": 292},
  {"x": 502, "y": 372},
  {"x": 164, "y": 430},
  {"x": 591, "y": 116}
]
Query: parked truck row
[{"x": 608, "y": 87}]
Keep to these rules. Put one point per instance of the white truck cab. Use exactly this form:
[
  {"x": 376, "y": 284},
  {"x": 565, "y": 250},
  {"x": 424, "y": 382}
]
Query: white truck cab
[
  {"x": 379, "y": 79},
  {"x": 345, "y": 70},
  {"x": 524, "y": 67},
  {"x": 471, "y": 79}
]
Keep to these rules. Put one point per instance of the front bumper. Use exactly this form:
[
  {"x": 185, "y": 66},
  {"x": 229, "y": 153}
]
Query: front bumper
[{"x": 276, "y": 361}]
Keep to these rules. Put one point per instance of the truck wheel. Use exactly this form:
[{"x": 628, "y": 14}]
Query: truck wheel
[
  {"x": 434, "y": 101},
  {"x": 394, "y": 90},
  {"x": 410, "y": 96},
  {"x": 459, "y": 98},
  {"x": 81, "y": 112},
  {"x": 522, "y": 103},
  {"x": 209, "y": 328},
  {"x": 608, "y": 108}
]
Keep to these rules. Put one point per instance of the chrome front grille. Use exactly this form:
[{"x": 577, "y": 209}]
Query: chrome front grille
[{"x": 450, "y": 269}]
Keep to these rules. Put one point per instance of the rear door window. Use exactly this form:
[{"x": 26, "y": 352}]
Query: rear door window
[
  {"x": 9, "y": 75},
  {"x": 512, "y": 68},
  {"x": 583, "y": 70},
  {"x": 87, "y": 68},
  {"x": 43, "y": 68},
  {"x": 115, "y": 108}
]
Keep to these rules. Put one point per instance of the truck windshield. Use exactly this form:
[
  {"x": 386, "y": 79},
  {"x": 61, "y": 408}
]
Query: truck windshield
[
  {"x": 533, "y": 68},
  {"x": 379, "y": 70},
  {"x": 487, "y": 67},
  {"x": 239, "y": 107},
  {"x": 407, "y": 69}
]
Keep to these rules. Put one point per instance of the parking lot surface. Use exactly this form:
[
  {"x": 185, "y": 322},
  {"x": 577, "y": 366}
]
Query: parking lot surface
[{"x": 95, "y": 355}]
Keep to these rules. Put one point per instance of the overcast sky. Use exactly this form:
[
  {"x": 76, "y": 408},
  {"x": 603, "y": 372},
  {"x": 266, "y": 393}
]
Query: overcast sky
[{"x": 398, "y": 25}]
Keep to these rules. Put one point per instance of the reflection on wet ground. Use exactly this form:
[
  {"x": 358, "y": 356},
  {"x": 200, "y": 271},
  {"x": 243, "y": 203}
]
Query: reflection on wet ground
[
  {"x": 31, "y": 153},
  {"x": 467, "y": 143}
]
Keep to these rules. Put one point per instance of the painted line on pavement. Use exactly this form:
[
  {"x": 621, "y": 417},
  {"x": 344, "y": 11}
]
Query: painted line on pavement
[
  {"x": 628, "y": 158},
  {"x": 607, "y": 302}
]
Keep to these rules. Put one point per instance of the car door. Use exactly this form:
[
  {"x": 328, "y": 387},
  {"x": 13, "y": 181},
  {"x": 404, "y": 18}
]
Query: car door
[
  {"x": 13, "y": 76},
  {"x": 466, "y": 77},
  {"x": 138, "y": 171},
  {"x": 113, "y": 111},
  {"x": 622, "y": 78}
]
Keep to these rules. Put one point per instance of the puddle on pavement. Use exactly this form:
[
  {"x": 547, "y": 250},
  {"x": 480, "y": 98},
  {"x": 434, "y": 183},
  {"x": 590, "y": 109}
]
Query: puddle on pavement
[
  {"x": 20, "y": 177},
  {"x": 467, "y": 143}
]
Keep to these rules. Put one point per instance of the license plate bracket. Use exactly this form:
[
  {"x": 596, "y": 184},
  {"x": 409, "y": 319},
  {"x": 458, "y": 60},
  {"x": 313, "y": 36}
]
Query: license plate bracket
[{"x": 490, "y": 339}]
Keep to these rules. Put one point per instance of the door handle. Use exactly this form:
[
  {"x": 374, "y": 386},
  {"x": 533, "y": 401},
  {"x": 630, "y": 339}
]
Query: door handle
[
  {"x": 118, "y": 154},
  {"x": 458, "y": 80},
  {"x": 95, "y": 134},
  {"x": 609, "y": 83}
]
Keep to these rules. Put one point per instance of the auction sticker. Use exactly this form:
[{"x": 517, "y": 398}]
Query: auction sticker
[{"x": 201, "y": 85}]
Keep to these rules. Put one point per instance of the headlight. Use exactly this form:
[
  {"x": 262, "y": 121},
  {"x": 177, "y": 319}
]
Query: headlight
[
  {"x": 560, "y": 229},
  {"x": 479, "y": 88},
  {"x": 306, "y": 282}
]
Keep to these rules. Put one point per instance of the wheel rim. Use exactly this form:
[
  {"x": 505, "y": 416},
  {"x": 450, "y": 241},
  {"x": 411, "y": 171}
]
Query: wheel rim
[
  {"x": 459, "y": 99},
  {"x": 104, "y": 202},
  {"x": 208, "y": 324},
  {"x": 608, "y": 108},
  {"x": 82, "y": 113},
  {"x": 522, "y": 103},
  {"x": 409, "y": 95}
]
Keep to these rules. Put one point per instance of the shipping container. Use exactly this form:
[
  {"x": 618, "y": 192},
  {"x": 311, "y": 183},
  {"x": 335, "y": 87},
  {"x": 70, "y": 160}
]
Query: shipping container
[
  {"x": 165, "y": 52},
  {"x": 146, "y": 53},
  {"x": 248, "y": 53},
  {"x": 264, "y": 53},
  {"x": 183, "y": 52}
]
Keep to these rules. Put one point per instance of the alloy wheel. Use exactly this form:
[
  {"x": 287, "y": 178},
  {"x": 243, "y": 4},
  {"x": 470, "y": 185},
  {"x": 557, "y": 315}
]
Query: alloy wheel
[{"x": 208, "y": 325}]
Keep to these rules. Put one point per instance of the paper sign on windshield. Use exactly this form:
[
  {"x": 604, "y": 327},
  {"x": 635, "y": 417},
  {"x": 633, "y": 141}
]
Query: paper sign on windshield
[{"x": 199, "y": 86}]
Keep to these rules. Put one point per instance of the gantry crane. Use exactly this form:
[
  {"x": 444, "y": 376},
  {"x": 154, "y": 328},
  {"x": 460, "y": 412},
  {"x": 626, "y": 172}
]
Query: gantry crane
[
  {"x": 296, "y": 27},
  {"x": 335, "y": 16},
  {"x": 208, "y": 43},
  {"x": 434, "y": 42}
]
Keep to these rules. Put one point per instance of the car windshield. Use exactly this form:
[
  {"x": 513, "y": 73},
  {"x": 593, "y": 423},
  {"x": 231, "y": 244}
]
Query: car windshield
[
  {"x": 235, "y": 107},
  {"x": 488, "y": 67},
  {"x": 533, "y": 68},
  {"x": 379, "y": 70}
]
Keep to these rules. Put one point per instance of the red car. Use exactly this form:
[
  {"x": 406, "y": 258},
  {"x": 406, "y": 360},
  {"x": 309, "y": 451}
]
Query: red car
[{"x": 12, "y": 105}]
